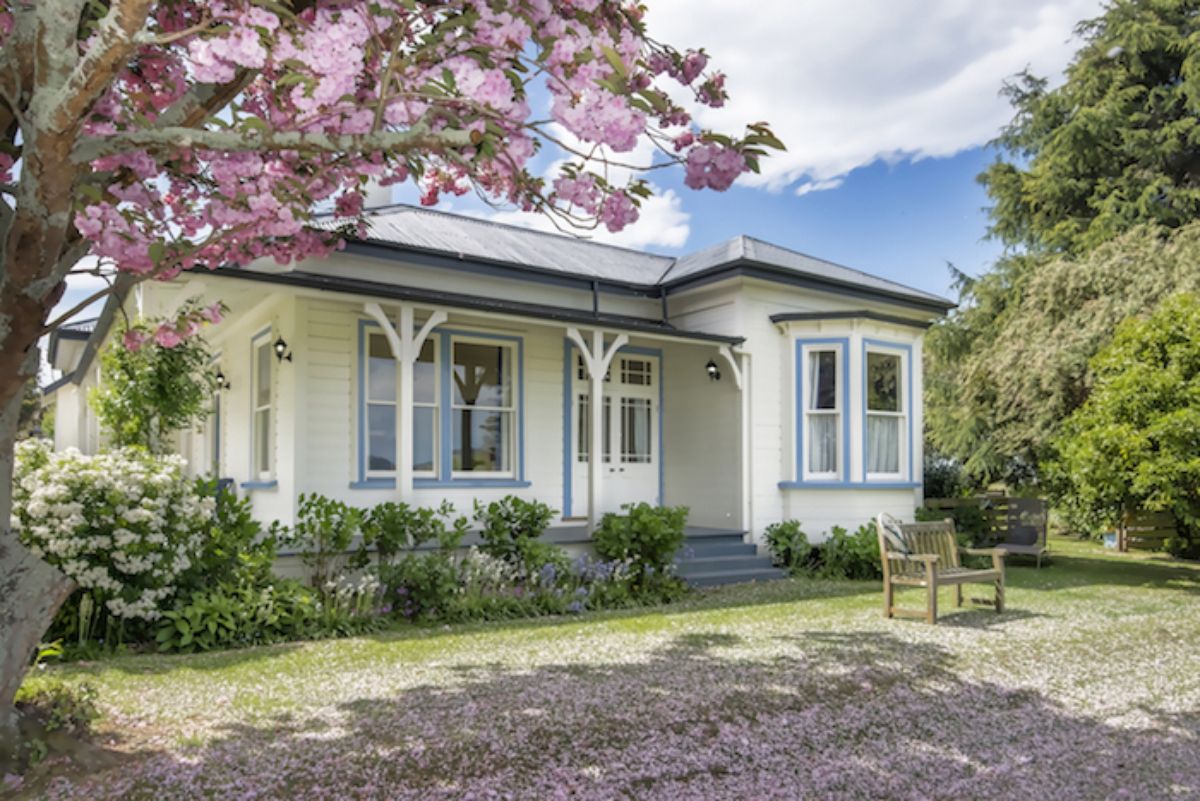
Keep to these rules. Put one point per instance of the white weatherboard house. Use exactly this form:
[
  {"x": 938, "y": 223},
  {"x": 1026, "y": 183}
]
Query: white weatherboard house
[{"x": 445, "y": 357}]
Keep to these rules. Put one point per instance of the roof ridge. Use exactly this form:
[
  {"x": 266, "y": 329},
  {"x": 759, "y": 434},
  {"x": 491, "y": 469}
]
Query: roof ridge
[
  {"x": 408, "y": 207},
  {"x": 723, "y": 243}
]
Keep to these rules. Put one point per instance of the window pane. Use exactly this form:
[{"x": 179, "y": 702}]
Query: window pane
[
  {"x": 883, "y": 444},
  {"x": 635, "y": 372},
  {"x": 883, "y": 382},
  {"x": 635, "y": 430},
  {"x": 481, "y": 375},
  {"x": 481, "y": 440},
  {"x": 263, "y": 380},
  {"x": 584, "y": 445},
  {"x": 424, "y": 437},
  {"x": 822, "y": 443},
  {"x": 262, "y": 441},
  {"x": 381, "y": 437},
  {"x": 822, "y": 379},
  {"x": 425, "y": 375},
  {"x": 381, "y": 369}
]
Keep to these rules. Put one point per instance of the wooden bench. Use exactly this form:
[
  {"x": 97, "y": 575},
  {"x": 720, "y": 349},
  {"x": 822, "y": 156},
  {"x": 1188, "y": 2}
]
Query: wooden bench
[
  {"x": 1143, "y": 530},
  {"x": 928, "y": 555}
]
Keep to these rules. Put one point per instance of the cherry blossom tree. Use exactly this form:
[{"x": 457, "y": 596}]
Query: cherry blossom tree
[{"x": 180, "y": 135}]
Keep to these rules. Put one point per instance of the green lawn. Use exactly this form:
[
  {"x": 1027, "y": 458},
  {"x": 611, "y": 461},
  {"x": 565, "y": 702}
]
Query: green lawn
[{"x": 1087, "y": 688}]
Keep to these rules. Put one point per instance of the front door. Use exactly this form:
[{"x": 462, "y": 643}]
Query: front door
[{"x": 631, "y": 436}]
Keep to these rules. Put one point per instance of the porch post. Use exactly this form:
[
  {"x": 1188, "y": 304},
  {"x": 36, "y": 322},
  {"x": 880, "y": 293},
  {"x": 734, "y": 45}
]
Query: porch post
[
  {"x": 406, "y": 347},
  {"x": 739, "y": 365},
  {"x": 596, "y": 360}
]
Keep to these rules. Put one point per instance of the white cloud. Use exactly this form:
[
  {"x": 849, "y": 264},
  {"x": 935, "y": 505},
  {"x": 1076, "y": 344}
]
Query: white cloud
[
  {"x": 818, "y": 186},
  {"x": 847, "y": 82},
  {"x": 662, "y": 222}
]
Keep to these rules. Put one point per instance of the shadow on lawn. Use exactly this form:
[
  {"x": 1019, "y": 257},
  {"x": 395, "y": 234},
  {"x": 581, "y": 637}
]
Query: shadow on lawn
[
  {"x": 1071, "y": 571},
  {"x": 818, "y": 715}
]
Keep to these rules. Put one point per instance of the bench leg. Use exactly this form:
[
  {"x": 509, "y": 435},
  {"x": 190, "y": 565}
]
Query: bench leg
[
  {"x": 931, "y": 609},
  {"x": 958, "y": 595},
  {"x": 999, "y": 595},
  {"x": 889, "y": 590}
]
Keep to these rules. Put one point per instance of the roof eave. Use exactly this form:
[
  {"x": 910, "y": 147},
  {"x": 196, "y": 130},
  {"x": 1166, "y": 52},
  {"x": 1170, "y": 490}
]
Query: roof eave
[{"x": 757, "y": 269}]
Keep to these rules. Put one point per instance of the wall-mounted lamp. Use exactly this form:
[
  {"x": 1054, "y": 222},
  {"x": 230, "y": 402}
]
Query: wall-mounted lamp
[
  {"x": 222, "y": 381},
  {"x": 714, "y": 372},
  {"x": 281, "y": 350}
]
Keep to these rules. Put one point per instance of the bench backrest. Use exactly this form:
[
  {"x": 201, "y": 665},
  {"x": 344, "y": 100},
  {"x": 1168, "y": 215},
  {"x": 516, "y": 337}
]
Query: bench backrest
[{"x": 933, "y": 537}]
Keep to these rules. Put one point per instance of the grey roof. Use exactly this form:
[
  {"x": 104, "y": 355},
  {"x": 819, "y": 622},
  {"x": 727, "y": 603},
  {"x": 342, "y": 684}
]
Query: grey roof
[
  {"x": 80, "y": 330},
  {"x": 470, "y": 238}
]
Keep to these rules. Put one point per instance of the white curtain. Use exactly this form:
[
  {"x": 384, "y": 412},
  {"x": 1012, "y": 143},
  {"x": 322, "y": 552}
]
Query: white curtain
[
  {"x": 883, "y": 444},
  {"x": 822, "y": 443}
]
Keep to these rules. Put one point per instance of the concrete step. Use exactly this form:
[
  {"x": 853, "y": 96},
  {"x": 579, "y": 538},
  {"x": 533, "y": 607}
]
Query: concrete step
[
  {"x": 722, "y": 564},
  {"x": 734, "y": 577},
  {"x": 699, "y": 549}
]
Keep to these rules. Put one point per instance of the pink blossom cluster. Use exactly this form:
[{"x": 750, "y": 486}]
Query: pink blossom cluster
[
  {"x": 713, "y": 166},
  {"x": 173, "y": 333},
  {"x": 352, "y": 68}
]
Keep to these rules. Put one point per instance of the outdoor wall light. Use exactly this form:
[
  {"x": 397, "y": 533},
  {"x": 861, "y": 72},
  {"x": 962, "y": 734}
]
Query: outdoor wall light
[
  {"x": 714, "y": 372},
  {"x": 281, "y": 350},
  {"x": 222, "y": 381}
]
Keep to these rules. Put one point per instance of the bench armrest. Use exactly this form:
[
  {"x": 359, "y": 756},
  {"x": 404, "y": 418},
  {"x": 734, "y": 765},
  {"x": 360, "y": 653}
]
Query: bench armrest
[
  {"x": 984, "y": 552},
  {"x": 930, "y": 558}
]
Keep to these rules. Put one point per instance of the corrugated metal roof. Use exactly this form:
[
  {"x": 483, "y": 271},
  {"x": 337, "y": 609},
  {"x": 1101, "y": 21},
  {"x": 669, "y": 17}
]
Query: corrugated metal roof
[
  {"x": 749, "y": 249},
  {"x": 483, "y": 240},
  {"x": 462, "y": 237}
]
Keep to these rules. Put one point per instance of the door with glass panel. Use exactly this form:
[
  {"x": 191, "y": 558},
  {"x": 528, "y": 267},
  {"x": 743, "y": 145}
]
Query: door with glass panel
[{"x": 630, "y": 434}]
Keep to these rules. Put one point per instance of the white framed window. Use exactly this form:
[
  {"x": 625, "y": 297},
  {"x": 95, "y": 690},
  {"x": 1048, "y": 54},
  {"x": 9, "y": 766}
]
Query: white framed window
[
  {"x": 636, "y": 423},
  {"x": 583, "y": 447},
  {"x": 822, "y": 386},
  {"x": 262, "y": 395},
  {"x": 380, "y": 397},
  {"x": 886, "y": 416},
  {"x": 483, "y": 408},
  {"x": 381, "y": 405}
]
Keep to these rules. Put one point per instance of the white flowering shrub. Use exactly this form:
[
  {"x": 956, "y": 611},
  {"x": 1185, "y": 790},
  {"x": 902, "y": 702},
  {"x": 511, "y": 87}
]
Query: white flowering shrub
[{"x": 124, "y": 525}]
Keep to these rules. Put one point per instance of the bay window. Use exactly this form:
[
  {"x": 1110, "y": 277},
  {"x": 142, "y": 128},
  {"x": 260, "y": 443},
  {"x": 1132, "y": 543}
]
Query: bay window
[
  {"x": 821, "y": 396},
  {"x": 885, "y": 414}
]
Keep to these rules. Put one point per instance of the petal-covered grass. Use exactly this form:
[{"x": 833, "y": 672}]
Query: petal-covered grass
[{"x": 1089, "y": 687}]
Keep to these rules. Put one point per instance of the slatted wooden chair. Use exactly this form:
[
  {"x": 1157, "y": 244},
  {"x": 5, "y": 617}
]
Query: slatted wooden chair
[{"x": 927, "y": 555}]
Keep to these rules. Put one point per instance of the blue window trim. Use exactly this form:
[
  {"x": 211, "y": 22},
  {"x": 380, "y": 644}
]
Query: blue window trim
[
  {"x": 883, "y": 344},
  {"x": 843, "y": 344},
  {"x": 445, "y": 476},
  {"x": 258, "y": 483},
  {"x": 568, "y": 401},
  {"x": 846, "y": 485}
]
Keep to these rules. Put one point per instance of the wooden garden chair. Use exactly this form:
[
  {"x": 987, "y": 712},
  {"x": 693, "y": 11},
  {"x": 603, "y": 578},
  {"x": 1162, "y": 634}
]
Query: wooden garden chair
[{"x": 927, "y": 555}]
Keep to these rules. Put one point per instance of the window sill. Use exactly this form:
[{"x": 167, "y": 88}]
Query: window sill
[
  {"x": 847, "y": 485},
  {"x": 467, "y": 483},
  {"x": 257, "y": 485},
  {"x": 427, "y": 483}
]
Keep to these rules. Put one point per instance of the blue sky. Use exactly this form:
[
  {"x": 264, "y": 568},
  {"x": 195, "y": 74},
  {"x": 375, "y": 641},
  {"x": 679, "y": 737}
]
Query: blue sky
[{"x": 902, "y": 221}]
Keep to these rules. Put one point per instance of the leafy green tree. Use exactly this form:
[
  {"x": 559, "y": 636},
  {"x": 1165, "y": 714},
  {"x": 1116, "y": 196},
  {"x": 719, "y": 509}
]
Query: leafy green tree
[
  {"x": 1116, "y": 145},
  {"x": 1013, "y": 363},
  {"x": 149, "y": 391},
  {"x": 1136, "y": 441}
]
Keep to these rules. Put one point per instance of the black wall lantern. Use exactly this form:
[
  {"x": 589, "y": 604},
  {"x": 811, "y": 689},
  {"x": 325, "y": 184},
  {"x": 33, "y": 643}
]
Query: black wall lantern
[
  {"x": 281, "y": 350},
  {"x": 714, "y": 372},
  {"x": 222, "y": 381}
]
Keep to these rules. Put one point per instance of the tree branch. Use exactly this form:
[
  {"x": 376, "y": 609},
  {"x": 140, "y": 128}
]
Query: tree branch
[{"x": 417, "y": 138}]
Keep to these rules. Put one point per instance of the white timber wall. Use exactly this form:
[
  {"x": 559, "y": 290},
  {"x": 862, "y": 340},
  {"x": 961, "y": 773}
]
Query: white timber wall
[{"x": 744, "y": 307}]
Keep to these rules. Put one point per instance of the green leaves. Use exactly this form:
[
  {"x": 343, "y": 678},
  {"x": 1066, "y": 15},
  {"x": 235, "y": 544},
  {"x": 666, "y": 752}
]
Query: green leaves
[{"x": 1114, "y": 146}]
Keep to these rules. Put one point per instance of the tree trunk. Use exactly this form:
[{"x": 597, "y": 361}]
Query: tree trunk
[{"x": 31, "y": 591}]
